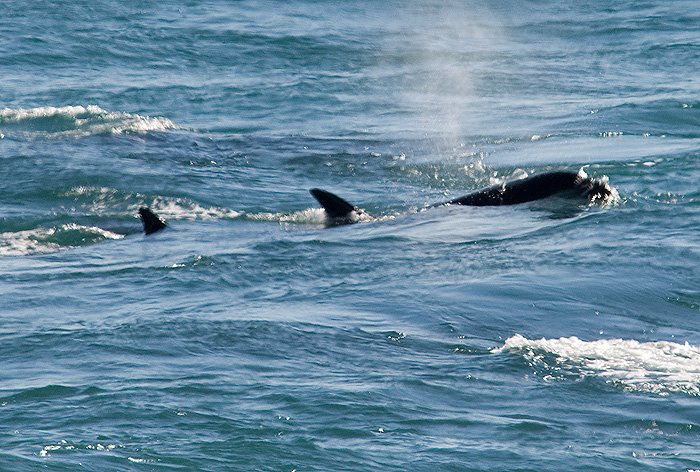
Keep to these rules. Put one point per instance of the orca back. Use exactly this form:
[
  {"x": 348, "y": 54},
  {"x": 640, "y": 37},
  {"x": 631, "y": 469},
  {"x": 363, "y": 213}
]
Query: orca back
[{"x": 525, "y": 190}]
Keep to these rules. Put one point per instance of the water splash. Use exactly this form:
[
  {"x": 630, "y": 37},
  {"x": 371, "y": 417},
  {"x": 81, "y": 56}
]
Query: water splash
[
  {"x": 314, "y": 216},
  {"x": 184, "y": 209},
  {"x": 659, "y": 367},
  {"x": 66, "y": 446}
]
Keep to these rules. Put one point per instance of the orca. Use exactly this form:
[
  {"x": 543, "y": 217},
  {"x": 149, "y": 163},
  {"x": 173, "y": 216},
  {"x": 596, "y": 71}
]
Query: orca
[
  {"x": 152, "y": 223},
  {"x": 338, "y": 210},
  {"x": 514, "y": 192},
  {"x": 537, "y": 187}
]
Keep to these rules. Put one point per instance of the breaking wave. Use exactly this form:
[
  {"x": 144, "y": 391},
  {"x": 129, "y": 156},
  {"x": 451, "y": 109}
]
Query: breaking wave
[
  {"x": 47, "y": 240},
  {"x": 659, "y": 367},
  {"x": 76, "y": 122}
]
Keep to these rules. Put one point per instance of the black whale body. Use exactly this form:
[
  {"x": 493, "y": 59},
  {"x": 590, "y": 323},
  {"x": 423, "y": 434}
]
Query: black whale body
[
  {"x": 536, "y": 187},
  {"x": 525, "y": 190}
]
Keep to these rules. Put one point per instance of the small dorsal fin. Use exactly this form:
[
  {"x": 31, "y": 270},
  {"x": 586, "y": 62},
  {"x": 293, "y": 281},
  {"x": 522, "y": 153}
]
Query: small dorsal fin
[
  {"x": 151, "y": 222},
  {"x": 335, "y": 206}
]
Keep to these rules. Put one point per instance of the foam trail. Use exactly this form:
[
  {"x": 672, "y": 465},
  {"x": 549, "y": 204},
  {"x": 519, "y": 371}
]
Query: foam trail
[
  {"x": 310, "y": 216},
  {"x": 659, "y": 367},
  {"x": 183, "y": 209},
  {"x": 314, "y": 216}
]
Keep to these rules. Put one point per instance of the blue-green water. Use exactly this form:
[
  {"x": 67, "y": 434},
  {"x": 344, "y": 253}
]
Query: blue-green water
[{"x": 542, "y": 337}]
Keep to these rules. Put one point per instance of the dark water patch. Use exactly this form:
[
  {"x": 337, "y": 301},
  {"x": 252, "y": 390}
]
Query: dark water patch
[
  {"x": 532, "y": 427},
  {"x": 661, "y": 428},
  {"x": 50, "y": 393},
  {"x": 199, "y": 337},
  {"x": 686, "y": 298}
]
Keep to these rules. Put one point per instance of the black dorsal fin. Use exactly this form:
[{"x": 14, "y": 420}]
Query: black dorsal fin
[
  {"x": 335, "y": 206},
  {"x": 151, "y": 222}
]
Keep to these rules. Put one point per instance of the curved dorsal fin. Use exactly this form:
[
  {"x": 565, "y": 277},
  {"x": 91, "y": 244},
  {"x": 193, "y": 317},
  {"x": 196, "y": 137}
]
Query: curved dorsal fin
[
  {"x": 335, "y": 206},
  {"x": 151, "y": 222}
]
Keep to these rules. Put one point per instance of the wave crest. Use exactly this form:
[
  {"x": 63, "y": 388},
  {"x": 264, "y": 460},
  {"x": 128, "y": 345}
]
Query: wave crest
[
  {"x": 77, "y": 122},
  {"x": 659, "y": 367},
  {"x": 47, "y": 240}
]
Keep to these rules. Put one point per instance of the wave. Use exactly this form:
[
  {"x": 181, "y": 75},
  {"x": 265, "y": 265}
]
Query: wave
[
  {"x": 118, "y": 210},
  {"x": 106, "y": 201},
  {"x": 76, "y": 122},
  {"x": 47, "y": 240},
  {"x": 93, "y": 205},
  {"x": 659, "y": 367}
]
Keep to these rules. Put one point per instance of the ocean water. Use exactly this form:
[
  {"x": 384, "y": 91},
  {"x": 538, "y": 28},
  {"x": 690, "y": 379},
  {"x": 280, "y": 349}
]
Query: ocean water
[{"x": 555, "y": 335}]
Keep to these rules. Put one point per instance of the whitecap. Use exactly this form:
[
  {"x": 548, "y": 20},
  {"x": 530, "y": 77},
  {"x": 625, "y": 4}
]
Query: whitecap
[
  {"x": 47, "y": 240},
  {"x": 659, "y": 367},
  {"x": 77, "y": 121}
]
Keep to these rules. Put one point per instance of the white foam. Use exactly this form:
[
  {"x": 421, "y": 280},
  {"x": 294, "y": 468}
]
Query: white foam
[
  {"x": 106, "y": 201},
  {"x": 312, "y": 216},
  {"x": 79, "y": 121},
  {"x": 659, "y": 367},
  {"x": 66, "y": 446},
  {"x": 43, "y": 240},
  {"x": 183, "y": 209},
  {"x": 316, "y": 216}
]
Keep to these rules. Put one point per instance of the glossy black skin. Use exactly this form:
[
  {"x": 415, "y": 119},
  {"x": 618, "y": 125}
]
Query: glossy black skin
[
  {"x": 335, "y": 206},
  {"x": 533, "y": 188},
  {"x": 151, "y": 222},
  {"x": 536, "y": 187}
]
